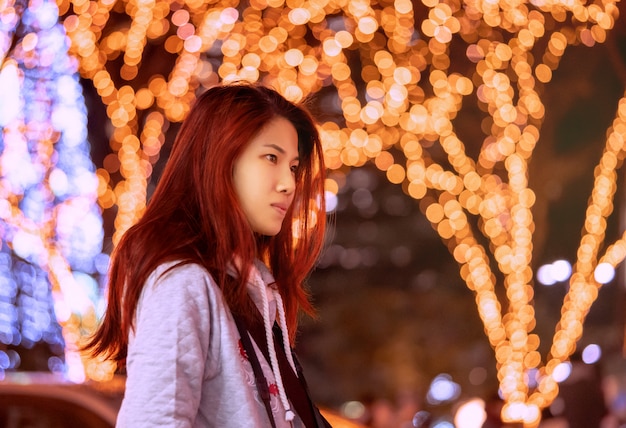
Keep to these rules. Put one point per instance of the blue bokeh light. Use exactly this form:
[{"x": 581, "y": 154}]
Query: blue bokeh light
[{"x": 49, "y": 188}]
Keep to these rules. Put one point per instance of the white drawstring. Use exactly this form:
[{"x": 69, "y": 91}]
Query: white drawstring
[
  {"x": 289, "y": 414},
  {"x": 282, "y": 322}
]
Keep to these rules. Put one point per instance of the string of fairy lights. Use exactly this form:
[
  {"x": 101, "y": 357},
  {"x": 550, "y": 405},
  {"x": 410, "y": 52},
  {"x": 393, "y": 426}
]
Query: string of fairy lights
[{"x": 395, "y": 107}]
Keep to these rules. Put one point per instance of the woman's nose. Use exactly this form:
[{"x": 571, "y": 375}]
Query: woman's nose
[{"x": 287, "y": 181}]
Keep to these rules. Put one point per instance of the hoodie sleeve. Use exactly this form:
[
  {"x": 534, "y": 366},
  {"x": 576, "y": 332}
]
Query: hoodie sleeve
[{"x": 169, "y": 353}]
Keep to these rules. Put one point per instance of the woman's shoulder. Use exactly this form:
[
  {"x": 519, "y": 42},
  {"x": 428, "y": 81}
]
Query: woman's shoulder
[
  {"x": 179, "y": 288},
  {"x": 181, "y": 276},
  {"x": 178, "y": 268}
]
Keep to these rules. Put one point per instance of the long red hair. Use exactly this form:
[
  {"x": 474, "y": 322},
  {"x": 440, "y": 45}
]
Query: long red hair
[{"x": 194, "y": 214}]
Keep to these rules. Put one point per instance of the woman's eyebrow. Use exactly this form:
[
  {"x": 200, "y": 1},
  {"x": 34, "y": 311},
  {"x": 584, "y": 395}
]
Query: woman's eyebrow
[{"x": 276, "y": 147}]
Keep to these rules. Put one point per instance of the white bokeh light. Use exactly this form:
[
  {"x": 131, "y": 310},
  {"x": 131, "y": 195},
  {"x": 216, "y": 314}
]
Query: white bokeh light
[
  {"x": 331, "y": 201},
  {"x": 443, "y": 389},
  {"x": 562, "y": 371},
  {"x": 471, "y": 414},
  {"x": 604, "y": 273},
  {"x": 557, "y": 271},
  {"x": 591, "y": 354},
  {"x": 544, "y": 275},
  {"x": 561, "y": 270}
]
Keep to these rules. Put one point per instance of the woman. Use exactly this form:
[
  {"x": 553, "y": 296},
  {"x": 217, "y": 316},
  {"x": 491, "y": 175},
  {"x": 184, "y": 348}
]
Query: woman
[{"x": 232, "y": 230}]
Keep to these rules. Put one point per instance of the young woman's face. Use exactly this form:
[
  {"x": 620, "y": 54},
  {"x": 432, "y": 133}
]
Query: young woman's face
[{"x": 264, "y": 176}]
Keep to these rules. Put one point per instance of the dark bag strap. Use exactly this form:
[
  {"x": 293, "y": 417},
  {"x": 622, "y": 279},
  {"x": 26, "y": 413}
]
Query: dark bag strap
[
  {"x": 259, "y": 378},
  {"x": 295, "y": 385},
  {"x": 320, "y": 421}
]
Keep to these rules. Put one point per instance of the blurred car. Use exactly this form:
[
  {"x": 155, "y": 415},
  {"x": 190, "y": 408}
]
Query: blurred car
[{"x": 47, "y": 400}]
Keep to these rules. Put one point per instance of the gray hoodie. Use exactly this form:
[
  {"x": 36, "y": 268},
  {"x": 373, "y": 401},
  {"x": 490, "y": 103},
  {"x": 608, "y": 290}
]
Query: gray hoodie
[{"x": 185, "y": 364}]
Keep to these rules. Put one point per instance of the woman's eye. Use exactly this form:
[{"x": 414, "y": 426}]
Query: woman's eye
[
  {"x": 294, "y": 168},
  {"x": 272, "y": 158}
]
